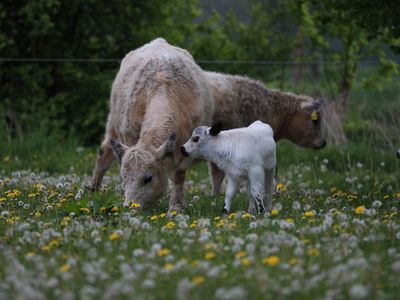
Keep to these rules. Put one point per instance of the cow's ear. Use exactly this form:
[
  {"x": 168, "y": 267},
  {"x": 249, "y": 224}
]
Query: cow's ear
[
  {"x": 215, "y": 129},
  {"x": 118, "y": 149},
  {"x": 168, "y": 147}
]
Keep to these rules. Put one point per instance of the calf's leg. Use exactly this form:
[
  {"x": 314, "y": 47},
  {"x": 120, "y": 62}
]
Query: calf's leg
[
  {"x": 231, "y": 189},
  {"x": 257, "y": 178},
  {"x": 217, "y": 176},
  {"x": 252, "y": 203},
  {"x": 269, "y": 187}
]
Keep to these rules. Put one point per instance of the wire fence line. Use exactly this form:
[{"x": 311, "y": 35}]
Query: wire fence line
[{"x": 237, "y": 62}]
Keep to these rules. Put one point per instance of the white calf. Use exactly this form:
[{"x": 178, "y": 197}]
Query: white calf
[{"x": 247, "y": 153}]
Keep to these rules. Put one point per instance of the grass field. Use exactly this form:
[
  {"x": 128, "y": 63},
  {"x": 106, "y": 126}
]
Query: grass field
[{"x": 334, "y": 232}]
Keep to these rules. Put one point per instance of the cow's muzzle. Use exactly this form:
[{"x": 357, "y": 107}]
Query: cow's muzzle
[{"x": 184, "y": 152}]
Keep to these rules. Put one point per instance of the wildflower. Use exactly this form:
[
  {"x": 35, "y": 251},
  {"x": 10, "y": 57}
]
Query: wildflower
[
  {"x": 313, "y": 252},
  {"x": 114, "y": 236},
  {"x": 163, "y": 252},
  {"x": 170, "y": 225},
  {"x": 272, "y": 260},
  {"x": 274, "y": 212},
  {"x": 153, "y": 218},
  {"x": 360, "y": 210},
  {"x": 246, "y": 216},
  {"x": 169, "y": 266},
  {"x": 135, "y": 205},
  {"x": 114, "y": 209},
  {"x": 32, "y": 195},
  {"x": 65, "y": 268},
  {"x": 37, "y": 214},
  {"x": 280, "y": 187},
  {"x": 198, "y": 280},
  {"x": 232, "y": 216},
  {"x": 290, "y": 220},
  {"x": 84, "y": 210},
  {"x": 309, "y": 214},
  {"x": 45, "y": 248},
  {"x": 293, "y": 261},
  {"x": 103, "y": 209},
  {"x": 245, "y": 262},
  {"x": 162, "y": 215},
  {"x": 30, "y": 254},
  {"x": 241, "y": 254},
  {"x": 209, "y": 255}
]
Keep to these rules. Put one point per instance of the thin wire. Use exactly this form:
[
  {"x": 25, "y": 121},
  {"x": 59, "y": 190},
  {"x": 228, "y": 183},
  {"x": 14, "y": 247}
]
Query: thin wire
[{"x": 237, "y": 62}]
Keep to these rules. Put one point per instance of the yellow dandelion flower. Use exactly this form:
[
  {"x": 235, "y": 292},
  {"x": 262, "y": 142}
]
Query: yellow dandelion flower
[
  {"x": 198, "y": 280},
  {"x": 84, "y": 210},
  {"x": 274, "y": 212},
  {"x": 114, "y": 209},
  {"x": 241, "y": 254},
  {"x": 209, "y": 246},
  {"x": 114, "y": 236},
  {"x": 162, "y": 215},
  {"x": 163, "y": 252},
  {"x": 169, "y": 266},
  {"x": 245, "y": 262},
  {"x": 2, "y": 199},
  {"x": 30, "y": 254},
  {"x": 45, "y": 248},
  {"x": 232, "y": 216},
  {"x": 153, "y": 218},
  {"x": 32, "y": 195},
  {"x": 360, "y": 210},
  {"x": 65, "y": 268},
  {"x": 54, "y": 243},
  {"x": 174, "y": 213},
  {"x": 313, "y": 252},
  {"x": 246, "y": 216},
  {"x": 38, "y": 214},
  {"x": 272, "y": 260},
  {"x": 293, "y": 261},
  {"x": 170, "y": 225},
  {"x": 232, "y": 225},
  {"x": 308, "y": 214},
  {"x": 103, "y": 209},
  {"x": 209, "y": 255},
  {"x": 217, "y": 218},
  {"x": 334, "y": 190},
  {"x": 194, "y": 263},
  {"x": 386, "y": 197},
  {"x": 135, "y": 205},
  {"x": 193, "y": 225},
  {"x": 290, "y": 220}
]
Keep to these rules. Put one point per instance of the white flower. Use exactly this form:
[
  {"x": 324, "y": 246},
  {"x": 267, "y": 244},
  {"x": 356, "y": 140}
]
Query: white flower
[{"x": 358, "y": 291}]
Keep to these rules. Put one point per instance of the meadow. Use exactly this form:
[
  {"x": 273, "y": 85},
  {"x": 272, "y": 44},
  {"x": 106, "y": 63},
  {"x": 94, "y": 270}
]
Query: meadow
[{"x": 333, "y": 233}]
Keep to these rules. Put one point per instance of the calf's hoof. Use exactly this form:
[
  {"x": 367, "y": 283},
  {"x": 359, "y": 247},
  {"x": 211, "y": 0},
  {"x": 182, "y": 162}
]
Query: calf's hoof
[{"x": 224, "y": 213}]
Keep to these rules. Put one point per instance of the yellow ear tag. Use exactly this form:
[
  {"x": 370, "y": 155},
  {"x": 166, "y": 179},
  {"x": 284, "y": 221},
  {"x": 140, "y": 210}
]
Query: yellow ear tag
[{"x": 314, "y": 115}]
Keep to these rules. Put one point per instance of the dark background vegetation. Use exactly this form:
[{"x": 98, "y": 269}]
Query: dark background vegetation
[{"x": 58, "y": 58}]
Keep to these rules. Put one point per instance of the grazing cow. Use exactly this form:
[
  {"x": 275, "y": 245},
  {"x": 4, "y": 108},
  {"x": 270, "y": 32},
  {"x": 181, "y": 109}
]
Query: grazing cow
[
  {"x": 239, "y": 101},
  {"x": 158, "y": 96},
  {"x": 243, "y": 153}
]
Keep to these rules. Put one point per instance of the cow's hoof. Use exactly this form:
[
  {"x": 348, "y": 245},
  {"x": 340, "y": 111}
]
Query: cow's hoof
[{"x": 90, "y": 187}]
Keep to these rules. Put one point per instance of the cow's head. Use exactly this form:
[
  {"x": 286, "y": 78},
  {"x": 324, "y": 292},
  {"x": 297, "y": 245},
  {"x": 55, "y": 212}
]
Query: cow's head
[
  {"x": 197, "y": 145},
  {"x": 143, "y": 170},
  {"x": 304, "y": 127}
]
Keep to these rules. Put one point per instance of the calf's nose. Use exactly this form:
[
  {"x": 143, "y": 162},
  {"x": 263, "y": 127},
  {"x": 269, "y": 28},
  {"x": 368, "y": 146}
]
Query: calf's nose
[{"x": 183, "y": 151}]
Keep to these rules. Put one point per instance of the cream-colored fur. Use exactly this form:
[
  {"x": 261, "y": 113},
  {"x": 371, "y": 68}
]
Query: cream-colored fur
[{"x": 158, "y": 91}]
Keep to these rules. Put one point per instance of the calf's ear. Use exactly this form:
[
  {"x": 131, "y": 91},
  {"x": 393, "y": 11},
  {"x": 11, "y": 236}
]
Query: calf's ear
[
  {"x": 167, "y": 147},
  {"x": 118, "y": 149},
  {"x": 215, "y": 129}
]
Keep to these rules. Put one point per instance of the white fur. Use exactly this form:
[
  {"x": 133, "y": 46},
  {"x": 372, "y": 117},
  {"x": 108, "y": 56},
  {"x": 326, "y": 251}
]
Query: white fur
[{"x": 247, "y": 153}]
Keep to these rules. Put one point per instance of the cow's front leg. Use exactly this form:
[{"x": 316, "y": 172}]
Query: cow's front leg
[
  {"x": 231, "y": 189},
  {"x": 216, "y": 176},
  {"x": 177, "y": 199},
  {"x": 257, "y": 181},
  {"x": 269, "y": 187}
]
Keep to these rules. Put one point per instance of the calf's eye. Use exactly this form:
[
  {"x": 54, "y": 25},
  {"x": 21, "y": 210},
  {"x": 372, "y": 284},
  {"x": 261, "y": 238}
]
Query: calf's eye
[
  {"x": 195, "y": 139},
  {"x": 147, "y": 179}
]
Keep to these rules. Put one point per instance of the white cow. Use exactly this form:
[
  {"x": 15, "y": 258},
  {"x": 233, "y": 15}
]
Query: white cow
[{"x": 247, "y": 153}]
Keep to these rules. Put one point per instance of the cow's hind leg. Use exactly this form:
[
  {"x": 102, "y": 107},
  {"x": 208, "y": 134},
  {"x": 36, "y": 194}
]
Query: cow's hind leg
[
  {"x": 177, "y": 198},
  {"x": 104, "y": 159},
  {"x": 257, "y": 181},
  {"x": 217, "y": 176}
]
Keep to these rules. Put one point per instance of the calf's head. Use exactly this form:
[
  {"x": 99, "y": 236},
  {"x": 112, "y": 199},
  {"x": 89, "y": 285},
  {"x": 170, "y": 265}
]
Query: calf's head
[
  {"x": 143, "y": 171},
  {"x": 198, "y": 144},
  {"x": 304, "y": 127}
]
